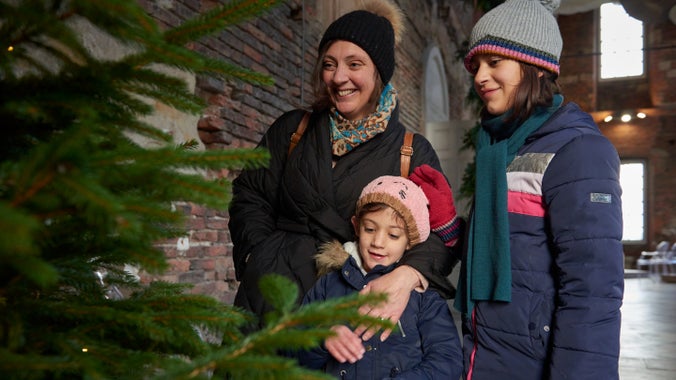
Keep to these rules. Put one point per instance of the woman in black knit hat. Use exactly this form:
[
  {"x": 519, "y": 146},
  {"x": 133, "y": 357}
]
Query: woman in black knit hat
[{"x": 280, "y": 215}]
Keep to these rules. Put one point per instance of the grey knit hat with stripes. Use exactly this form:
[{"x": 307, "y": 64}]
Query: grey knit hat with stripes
[{"x": 523, "y": 30}]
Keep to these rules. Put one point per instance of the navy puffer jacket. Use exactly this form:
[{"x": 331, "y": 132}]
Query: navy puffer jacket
[
  {"x": 565, "y": 221},
  {"x": 426, "y": 346}
]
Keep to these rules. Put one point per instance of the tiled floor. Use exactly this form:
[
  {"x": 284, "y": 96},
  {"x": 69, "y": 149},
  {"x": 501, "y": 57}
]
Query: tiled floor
[{"x": 648, "y": 339}]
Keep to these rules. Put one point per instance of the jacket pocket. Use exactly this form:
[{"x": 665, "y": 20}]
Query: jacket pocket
[{"x": 540, "y": 324}]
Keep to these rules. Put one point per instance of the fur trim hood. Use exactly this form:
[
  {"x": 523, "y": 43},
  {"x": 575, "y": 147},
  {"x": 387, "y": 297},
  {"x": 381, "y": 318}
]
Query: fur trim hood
[{"x": 333, "y": 255}]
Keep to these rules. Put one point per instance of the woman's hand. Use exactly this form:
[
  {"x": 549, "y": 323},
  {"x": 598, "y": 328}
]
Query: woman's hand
[
  {"x": 345, "y": 345},
  {"x": 398, "y": 285}
]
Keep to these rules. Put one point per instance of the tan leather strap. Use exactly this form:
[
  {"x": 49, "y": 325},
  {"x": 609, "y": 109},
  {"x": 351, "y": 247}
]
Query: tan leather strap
[
  {"x": 406, "y": 153},
  {"x": 295, "y": 137},
  {"x": 406, "y": 149}
]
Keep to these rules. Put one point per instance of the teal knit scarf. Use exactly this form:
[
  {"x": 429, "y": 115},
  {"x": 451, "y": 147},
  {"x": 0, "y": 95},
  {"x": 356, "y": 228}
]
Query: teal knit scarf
[{"x": 488, "y": 272}]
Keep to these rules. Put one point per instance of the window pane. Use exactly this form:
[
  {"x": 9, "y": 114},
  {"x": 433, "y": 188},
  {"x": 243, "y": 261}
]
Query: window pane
[
  {"x": 632, "y": 176},
  {"x": 621, "y": 43}
]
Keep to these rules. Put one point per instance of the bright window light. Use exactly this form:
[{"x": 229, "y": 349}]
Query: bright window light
[
  {"x": 621, "y": 43},
  {"x": 632, "y": 180}
]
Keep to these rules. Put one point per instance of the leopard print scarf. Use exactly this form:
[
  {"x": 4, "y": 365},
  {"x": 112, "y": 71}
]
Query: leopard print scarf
[{"x": 346, "y": 134}]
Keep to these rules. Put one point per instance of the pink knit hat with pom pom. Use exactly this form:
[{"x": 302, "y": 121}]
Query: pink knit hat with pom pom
[{"x": 406, "y": 198}]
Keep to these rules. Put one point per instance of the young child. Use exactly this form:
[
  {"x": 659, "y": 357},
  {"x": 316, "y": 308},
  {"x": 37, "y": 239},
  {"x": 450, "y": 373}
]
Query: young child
[{"x": 391, "y": 216}]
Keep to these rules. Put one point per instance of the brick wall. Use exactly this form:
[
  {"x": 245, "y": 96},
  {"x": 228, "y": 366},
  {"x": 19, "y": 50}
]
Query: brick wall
[
  {"x": 652, "y": 139},
  {"x": 238, "y": 113},
  {"x": 427, "y": 25},
  {"x": 577, "y": 80}
]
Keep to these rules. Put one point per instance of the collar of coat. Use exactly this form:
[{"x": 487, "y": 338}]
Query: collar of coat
[{"x": 333, "y": 255}]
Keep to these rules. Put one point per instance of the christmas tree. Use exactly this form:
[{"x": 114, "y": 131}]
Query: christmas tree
[{"x": 81, "y": 198}]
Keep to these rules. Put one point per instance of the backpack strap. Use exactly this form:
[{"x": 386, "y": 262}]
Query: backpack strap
[
  {"x": 295, "y": 137},
  {"x": 406, "y": 153},
  {"x": 406, "y": 149}
]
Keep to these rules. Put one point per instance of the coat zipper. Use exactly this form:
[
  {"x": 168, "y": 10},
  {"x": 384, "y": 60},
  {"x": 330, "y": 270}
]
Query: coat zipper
[{"x": 473, "y": 354}]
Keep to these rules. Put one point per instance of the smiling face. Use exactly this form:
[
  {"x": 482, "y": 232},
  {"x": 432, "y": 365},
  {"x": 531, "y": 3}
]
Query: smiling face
[
  {"x": 350, "y": 79},
  {"x": 382, "y": 237},
  {"x": 496, "y": 79}
]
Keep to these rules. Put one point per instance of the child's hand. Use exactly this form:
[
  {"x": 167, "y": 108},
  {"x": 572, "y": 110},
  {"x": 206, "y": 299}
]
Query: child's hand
[{"x": 345, "y": 346}]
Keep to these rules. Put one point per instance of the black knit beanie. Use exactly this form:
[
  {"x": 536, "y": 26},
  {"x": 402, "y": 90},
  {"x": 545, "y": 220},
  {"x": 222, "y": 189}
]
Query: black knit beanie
[{"x": 370, "y": 32}]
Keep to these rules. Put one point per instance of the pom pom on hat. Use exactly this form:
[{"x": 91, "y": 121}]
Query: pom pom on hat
[
  {"x": 406, "y": 198},
  {"x": 376, "y": 28},
  {"x": 551, "y": 5},
  {"x": 523, "y": 30}
]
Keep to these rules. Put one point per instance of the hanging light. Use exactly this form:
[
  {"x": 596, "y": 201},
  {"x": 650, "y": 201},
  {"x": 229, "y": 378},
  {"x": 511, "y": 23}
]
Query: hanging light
[{"x": 624, "y": 116}]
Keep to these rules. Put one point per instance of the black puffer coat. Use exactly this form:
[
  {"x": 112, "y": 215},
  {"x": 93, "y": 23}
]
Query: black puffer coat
[{"x": 281, "y": 214}]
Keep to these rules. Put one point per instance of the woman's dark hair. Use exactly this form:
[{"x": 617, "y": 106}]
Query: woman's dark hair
[
  {"x": 322, "y": 100},
  {"x": 533, "y": 91}
]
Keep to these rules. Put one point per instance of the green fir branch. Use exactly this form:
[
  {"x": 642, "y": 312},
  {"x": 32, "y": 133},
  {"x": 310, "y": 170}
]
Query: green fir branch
[
  {"x": 287, "y": 330},
  {"x": 123, "y": 20},
  {"x": 81, "y": 199},
  {"x": 164, "y": 88},
  {"x": 215, "y": 20},
  {"x": 227, "y": 70}
]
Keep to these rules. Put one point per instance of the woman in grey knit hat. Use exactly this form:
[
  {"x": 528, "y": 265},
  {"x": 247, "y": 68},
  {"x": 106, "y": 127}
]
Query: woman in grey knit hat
[
  {"x": 542, "y": 274},
  {"x": 280, "y": 215}
]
